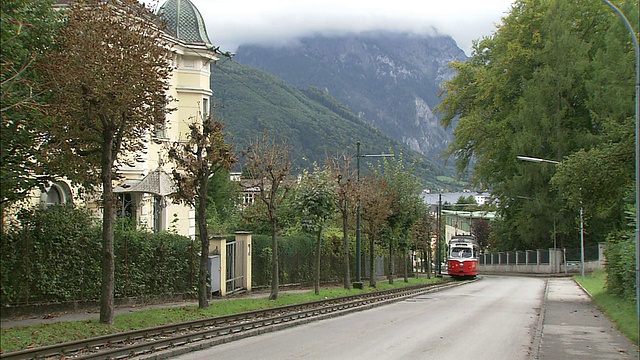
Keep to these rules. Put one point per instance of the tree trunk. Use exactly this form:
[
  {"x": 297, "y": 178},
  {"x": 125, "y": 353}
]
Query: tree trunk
[
  {"x": 406, "y": 256},
  {"x": 345, "y": 240},
  {"x": 427, "y": 255},
  {"x": 201, "y": 218},
  {"x": 108, "y": 220},
  {"x": 275, "y": 281},
  {"x": 318, "y": 253},
  {"x": 372, "y": 275},
  {"x": 391, "y": 262}
]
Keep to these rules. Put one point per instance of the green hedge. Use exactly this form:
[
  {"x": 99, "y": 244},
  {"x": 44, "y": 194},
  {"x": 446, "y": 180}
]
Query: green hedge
[
  {"x": 54, "y": 256},
  {"x": 154, "y": 264},
  {"x": 51, "y": 257},
  {"x": 621, "y": 260},
  {"x": 297, "y": 258}
]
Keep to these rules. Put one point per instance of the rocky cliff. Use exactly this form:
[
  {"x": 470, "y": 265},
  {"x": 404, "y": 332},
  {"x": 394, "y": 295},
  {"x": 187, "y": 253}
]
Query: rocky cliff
[{"x": 390, "y": 80}]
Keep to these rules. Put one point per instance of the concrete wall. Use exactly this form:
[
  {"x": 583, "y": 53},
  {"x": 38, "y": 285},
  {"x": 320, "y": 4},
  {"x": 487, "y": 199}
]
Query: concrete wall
[
  {"x": 549, "y": 261},
  {"x": 571, "y": 268}
]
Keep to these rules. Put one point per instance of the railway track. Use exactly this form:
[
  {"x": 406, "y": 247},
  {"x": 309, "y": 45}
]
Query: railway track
[{"x": 170, "y": 340}]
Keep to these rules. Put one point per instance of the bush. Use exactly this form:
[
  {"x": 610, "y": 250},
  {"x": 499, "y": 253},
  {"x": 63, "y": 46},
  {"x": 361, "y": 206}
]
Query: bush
[
  {"x": 54, "y": 256},
  {"x": 620, "y": 254},
  {"x": 149, "y": 264},
  {"x": 296, "y": 256}
]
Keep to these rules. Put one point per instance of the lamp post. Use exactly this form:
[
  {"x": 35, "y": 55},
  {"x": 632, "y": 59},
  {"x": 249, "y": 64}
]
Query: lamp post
[
  {"x": 539, "y": 160},
  {"x": 636, "y": 48},
  {"x": 439, "y": 243},
  {"x": 637, "y": 234},
  {"x": 358, "y": 283}
]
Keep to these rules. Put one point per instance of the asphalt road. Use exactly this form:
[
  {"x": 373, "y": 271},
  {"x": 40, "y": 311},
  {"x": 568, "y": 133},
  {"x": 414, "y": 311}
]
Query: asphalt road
[{"x": 494, "y": 318}]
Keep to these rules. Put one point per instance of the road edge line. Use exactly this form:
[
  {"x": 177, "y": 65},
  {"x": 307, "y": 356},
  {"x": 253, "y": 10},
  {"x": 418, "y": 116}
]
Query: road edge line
[{"x": 537, "y": 337}]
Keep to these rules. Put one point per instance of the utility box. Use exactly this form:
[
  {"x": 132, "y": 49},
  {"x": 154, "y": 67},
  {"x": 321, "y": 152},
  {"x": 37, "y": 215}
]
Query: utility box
[
  {"x": 233, "y": 259},
  {"x": 218, "y": 249},
  {"x": 215, "y": 270}
]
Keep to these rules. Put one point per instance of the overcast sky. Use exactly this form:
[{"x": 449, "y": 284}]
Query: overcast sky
[{"x": 234, "y": 22}]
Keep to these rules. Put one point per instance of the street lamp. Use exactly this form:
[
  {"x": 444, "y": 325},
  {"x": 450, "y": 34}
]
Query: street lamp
[
  {"x": 637, "y": 145},
  {"x": 539, "y": 160},
  {"x": 637, "y": 50},
  {"x": 358, "y": 283}
]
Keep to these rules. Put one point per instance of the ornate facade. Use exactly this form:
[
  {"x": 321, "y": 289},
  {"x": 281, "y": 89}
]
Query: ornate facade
[{"x": 143, "y": 192}]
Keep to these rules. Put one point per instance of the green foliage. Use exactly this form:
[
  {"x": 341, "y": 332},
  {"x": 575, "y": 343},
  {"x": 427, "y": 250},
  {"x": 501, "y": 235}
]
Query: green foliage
[
  {"x": 107, "y": 73},
  {"x": 27, "y": 29},
  {"x": 315, "y": 203},
  {"x": 554, "y": 81},
  {"x": 622, "y": 312},
  {"x": 467, "y": 203},
  {"x": 107, "y": 82},
  {"x": 314, "y": 200},
  {"x": 405, "y": 195},
  {"x": 54, "y": 256},
  {"x": 252, "y": 101},
  {"x": 195, "y": 161},
  {"x": 224, "y": 198},
  {"x": 296, "y": 254},
  {"x": 254, "y": 218},
  {"x": 620, "y": 254},
  {"x": 149, "y": 264}
]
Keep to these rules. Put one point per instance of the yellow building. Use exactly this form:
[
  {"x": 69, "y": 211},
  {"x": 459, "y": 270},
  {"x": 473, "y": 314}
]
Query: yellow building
[{"x": 143, "y": 192}]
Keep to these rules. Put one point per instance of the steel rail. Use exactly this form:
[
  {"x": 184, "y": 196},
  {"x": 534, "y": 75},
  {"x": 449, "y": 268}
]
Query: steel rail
[{"x": 136, "y": 342}]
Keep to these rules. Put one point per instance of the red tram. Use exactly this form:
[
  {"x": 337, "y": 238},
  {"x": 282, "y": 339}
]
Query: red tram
[{"x": 463, "y": 256}]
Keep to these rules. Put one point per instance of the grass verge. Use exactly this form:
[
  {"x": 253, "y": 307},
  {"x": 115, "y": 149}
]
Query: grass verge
[
  {"x": 621, "y": 313},
  {"x": 19, "y": 338}
]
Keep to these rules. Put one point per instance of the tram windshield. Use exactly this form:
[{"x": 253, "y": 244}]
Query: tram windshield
[{"x": 460, "y": 252}]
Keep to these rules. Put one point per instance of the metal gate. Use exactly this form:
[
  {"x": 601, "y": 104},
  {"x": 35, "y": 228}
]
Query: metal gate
[{"x": 235, "y": 266}]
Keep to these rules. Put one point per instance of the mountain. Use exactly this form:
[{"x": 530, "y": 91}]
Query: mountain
[
  {"x": 249, "y": 101},
  {"x": 390, "y": 80}
]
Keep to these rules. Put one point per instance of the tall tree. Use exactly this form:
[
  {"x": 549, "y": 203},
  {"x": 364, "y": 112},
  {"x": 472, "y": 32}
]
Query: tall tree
[
  {"x": 27, "y": 30},
  {"x": 345, "y": 181},
  {"x": 269, "y": 165},
  {"x": 421, "y": 235},
  {"x": 543, "y": 85},
  {"x": 224, "y": 200},
  {"x": 315, "y": 203},
  {"x": 108, "y": 72},
  {"x": 203, "y": 154},
  {"x": 376, "y": 210},
  {"x": 481, "y": 229},
  {"x": 406, "y": 207}
]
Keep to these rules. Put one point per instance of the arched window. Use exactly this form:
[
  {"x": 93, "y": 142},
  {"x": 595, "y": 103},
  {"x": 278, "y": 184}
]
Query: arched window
[
  {"x": 56, "y": 194},
  {"x": 54, "y": 197}
]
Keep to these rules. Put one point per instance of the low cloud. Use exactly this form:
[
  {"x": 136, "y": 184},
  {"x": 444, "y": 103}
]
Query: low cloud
[{"x": 231, "y": 23}]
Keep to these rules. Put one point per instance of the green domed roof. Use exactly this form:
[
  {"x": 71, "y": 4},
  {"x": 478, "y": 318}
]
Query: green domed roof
[{"x": 184, "y": 21}]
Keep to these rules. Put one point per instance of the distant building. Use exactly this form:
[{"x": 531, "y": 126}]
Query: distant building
[
  {"x": 249, "y": 189},
  {"x": 458, "y": 222},
  {"x": 461, "y": 222},
  {"x": 482, "y": 198}
]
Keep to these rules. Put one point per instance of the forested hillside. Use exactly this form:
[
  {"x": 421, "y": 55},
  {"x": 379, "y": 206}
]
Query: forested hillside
[
  {"x": 390, "y": 80},
  {"x": 250, "y": 101}
]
